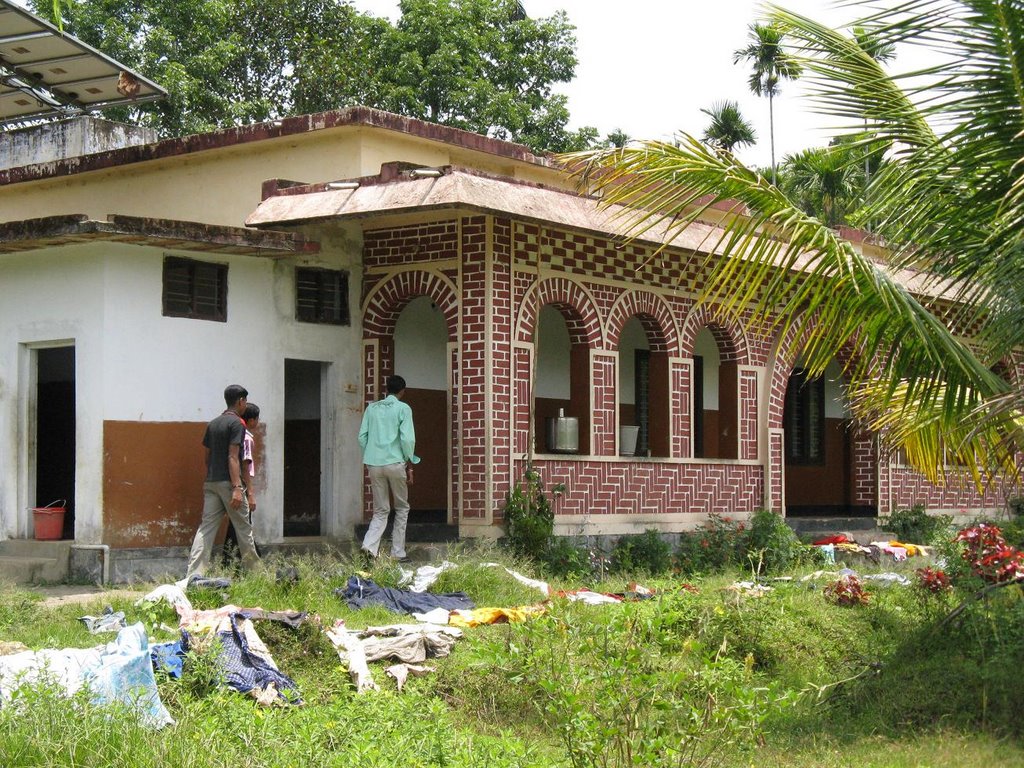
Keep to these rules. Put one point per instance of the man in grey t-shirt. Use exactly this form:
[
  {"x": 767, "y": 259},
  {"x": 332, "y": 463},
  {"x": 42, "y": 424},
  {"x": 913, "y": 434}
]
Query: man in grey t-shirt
[{"x": 223, "y": 490}]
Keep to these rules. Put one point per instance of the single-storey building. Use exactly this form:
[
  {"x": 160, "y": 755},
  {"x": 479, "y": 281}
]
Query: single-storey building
[{"x": 310, "y": 257}]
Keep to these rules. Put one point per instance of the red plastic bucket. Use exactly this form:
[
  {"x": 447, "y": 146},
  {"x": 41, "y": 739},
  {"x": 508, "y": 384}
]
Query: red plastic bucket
[{"x": 49, "y": 520}]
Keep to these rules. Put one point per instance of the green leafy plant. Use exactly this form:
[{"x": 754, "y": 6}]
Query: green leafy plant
[
  {"x": 529, "y": 518},
  {"x": 712, "y": 547},
  {"x": 647, "y": 552},
  {"x": 769, "y": 545}
]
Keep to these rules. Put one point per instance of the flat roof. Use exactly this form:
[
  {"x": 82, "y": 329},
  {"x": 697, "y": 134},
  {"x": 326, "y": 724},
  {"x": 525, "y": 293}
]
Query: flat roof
[{"x": 51, "y": 231}]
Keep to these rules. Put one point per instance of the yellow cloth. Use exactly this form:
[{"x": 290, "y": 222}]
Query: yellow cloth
[
  {"x": 480, "y": 616},
  {"x": 913, "y": 550}
]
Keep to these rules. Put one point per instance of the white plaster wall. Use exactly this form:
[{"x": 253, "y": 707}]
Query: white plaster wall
[
  {"x": 705, "y": 346},
  {"x": 836, "y": 405},
  {"x": 553, "y": 347},
  {"x": 50, "y": 298},
  {"x": 421, "y": 345},
  {"x": 134, "y": 364}
]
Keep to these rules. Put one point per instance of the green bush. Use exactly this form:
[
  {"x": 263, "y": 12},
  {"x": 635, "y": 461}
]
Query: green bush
[
  {"x": 566, "y": 560},
  {"x": 529, "y": 518},
  {"x": 915, "y": 525},
  {"x": 646, "y": 552},
  {"x": 711, "y": 548},
  {"x": 769, "y": 545}
]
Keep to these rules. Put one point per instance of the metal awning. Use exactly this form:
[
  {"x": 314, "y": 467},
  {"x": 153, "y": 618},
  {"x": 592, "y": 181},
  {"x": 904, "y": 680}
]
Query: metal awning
[{"x": 45, "y": 72}]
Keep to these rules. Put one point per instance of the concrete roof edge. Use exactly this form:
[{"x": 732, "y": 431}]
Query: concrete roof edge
[{"x": 289, "y": 126}]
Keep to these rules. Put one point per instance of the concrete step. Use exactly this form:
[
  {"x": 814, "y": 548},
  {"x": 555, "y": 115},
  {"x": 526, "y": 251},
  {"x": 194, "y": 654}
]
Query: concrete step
[
  {"x": 27, "y": 561},
  {"x": 860, "y": 528},
  {"x": 418, "y": 532},
  {"x": 22, "y": 569}
]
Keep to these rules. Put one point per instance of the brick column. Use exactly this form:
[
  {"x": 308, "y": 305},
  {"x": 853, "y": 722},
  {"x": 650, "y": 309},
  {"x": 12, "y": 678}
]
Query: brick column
[
  {"x": 472, "y": 379},
  {"x": 748, "y": 413},
  {"x": 605, "y": 420},
  {"x": 681, "y": 416},
  {"x": 775, "y": 472}
]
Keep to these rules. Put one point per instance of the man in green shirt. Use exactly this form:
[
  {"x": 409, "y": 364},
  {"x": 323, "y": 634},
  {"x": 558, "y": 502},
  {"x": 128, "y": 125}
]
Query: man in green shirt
[{"x": 388, "y": 441}]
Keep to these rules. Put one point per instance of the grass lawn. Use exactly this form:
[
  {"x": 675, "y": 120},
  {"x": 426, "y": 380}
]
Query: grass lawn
[{"x": 702, "y": 676}]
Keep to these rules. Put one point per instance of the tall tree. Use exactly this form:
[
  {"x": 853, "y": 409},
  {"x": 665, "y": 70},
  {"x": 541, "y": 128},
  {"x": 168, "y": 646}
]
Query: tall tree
[
  {"x": 770, "y": 64},
  {"x": 728, "y": 128},
  {"x": 949, "y": 203},
  {"x": 482, "y": 65}
]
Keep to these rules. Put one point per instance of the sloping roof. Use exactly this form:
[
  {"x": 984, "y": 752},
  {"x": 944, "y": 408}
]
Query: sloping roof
[
  {"x": 33, "y": 234},
  {"x": 45, "y": 72},
  {"x": 467, "y": 190}
]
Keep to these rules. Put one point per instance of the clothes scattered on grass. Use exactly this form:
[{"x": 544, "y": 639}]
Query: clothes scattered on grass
[
  {"x": 169, "y": 658},
  {"x": 170, "y": 593},
  {"x": 120, "y": 671},
  {"x": 408, "y": 643},
  {"x": 400, "y": 672},
  {"x": 425, "y": 576},
  {"x": 882, "y": 578},
  {"x": 247, "y": 664},
  {"x": 749, "y": 588},
  {"x": 360, "y": 592},
  {"x": 108, "y": 621},
  {"x": 480, "y": 616}
]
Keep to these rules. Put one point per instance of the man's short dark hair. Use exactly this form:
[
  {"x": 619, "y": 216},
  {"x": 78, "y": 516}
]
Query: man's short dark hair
[
  {"x": 395, "y": 384},
  {"x": 252, "y": 411},
  {"x": 233, "y": 393}
]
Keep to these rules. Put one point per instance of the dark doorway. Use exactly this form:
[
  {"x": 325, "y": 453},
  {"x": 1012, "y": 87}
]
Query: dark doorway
[
  {"x": 303, "y": 452},
  {"x": 55, "y": 432}
]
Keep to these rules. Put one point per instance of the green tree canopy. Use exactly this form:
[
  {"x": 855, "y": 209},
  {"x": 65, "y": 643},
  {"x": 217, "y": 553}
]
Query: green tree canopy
[
  {"x": 728, "y": 128},
  {"x": 482, "y": 65},
  {"x": 948, "y": 202}
]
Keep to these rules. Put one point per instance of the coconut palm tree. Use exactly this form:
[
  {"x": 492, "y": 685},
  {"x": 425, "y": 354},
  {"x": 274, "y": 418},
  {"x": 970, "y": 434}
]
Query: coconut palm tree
[
  {"x": 728, "y": 128},
  {"x": 771, "y": 63},
  {"x": 949, "y": 203}
]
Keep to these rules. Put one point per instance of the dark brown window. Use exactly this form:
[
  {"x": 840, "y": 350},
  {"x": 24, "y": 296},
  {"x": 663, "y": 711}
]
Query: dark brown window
[
  {"x": 804, "y": 419},
  {"x": 321, "y": 296},
  {"x": 196, "y": 289}
]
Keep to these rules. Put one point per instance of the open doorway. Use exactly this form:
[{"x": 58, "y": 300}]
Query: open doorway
[
  {"x": 55, "y": 419},
  {"x": 820, "y": 457},
  {"x": 421, "y": 358},
  {"x": 304, "y": 382}
]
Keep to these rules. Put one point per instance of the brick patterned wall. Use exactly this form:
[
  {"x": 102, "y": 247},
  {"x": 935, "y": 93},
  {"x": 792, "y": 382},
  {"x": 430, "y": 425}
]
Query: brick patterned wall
[
  {"x": 865, "y": 468},
  {"x": 775, "y": 499},
  {"x": 475, "y": 262},
  {"x": 748, "y": 414},
  {"x": 909, "y": 488},
  {"x": 604, "y": 381},
  {"x": 419, "y": 244},
  {"x": 681, "y": 374},
  {"x": 500, "y": 411},
  {"x": 637, "y": 487},
  {"x": 476, "y": 481}
]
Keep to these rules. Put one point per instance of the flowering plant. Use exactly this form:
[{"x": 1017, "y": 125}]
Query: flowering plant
[
  {"x": 988, "y": 554},
  {"x": 932, "y": 580},
  {"x": 846, "y": 590}
]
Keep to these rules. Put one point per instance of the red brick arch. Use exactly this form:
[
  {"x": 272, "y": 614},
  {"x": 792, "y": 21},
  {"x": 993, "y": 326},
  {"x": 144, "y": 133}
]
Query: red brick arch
[
  {"x": 654, "y": 315},
  {"x": 383, "y": 306},
  {"x": 575, "y": 304},
  {"x": 733, "y": 346},
  {"x": 783, "y": 360}
]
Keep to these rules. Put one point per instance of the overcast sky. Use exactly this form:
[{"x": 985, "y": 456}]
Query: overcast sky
[{"x": 649, "y": 67}]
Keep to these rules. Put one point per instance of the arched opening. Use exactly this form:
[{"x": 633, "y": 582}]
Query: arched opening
[
  {"x": 715, "y": 396},
  {"x": 421, "y": 357},
  {"x": 643, "y": 394},
  {"x": 562, "y": 387},
  {"x": 821, "y": 453}
]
